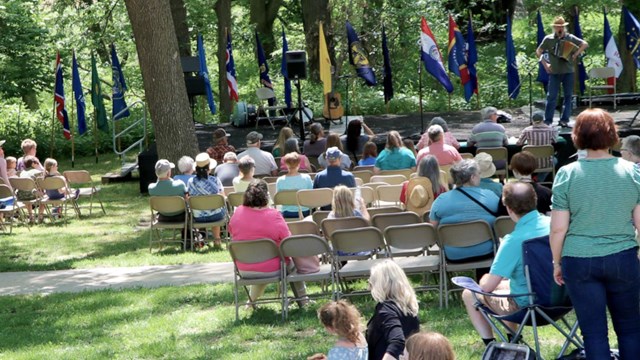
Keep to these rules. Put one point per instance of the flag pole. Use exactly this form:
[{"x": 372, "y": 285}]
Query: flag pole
[
  {"x": 95, "y": 132},
  {"x": 449, "y": 102},
  {"x": 73, "y": 148},
  {"x": 420, "y": 94},
  {"x": 53, "y": 123}
]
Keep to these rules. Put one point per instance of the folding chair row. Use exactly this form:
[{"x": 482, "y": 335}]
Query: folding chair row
[{"x": 38, "y": 189}]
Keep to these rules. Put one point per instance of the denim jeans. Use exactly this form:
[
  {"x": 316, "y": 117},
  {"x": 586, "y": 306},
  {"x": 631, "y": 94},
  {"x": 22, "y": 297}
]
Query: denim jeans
[
  {"x": 555, "y": 81},
  {"x": 598, "y": 283}
]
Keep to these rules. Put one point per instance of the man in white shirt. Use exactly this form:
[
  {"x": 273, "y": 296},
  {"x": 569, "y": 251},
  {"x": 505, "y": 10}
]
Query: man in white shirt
[{"x": 265, "y": 163}]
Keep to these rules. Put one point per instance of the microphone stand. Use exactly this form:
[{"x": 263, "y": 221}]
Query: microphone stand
[
  {"x": 529, "y": 72},
  {"x": 346, "y": 99},
  {"x": 300, "y": 118}
]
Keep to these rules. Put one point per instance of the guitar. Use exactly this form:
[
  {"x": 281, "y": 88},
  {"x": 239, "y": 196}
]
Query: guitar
[{"x": 333, "y": 106}]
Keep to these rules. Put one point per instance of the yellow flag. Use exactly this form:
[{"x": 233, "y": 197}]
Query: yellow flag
[{"x": 325, "y": 62}]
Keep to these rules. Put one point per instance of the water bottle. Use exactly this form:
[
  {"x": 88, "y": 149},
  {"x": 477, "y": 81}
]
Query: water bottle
[{"x": 358, "y": 197}]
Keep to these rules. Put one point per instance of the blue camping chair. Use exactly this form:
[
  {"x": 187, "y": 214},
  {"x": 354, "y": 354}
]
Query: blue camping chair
[{"x": 548, "y": 302}]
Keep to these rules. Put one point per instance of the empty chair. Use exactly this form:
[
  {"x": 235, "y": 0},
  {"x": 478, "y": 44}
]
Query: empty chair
[
  {"x": 599, "y": 74},
  {"x": 364, "y": 167},
  {"x": 81, "y": 180},
  {"x": 329, "y": 226},
  {"x": 389, "y": 179},
  {"x": 383, "y": 221},
  {"x": 404, "y": 172},
  {"x": 365, "y": 175},
  {"x": 271, "y": 112},
  {"x": 389, "y": 195},
  {"x": 168, "y": 205},
  {"x": 373, "y": 211},
  {"x": 366, "y": 193},
  {"x": 319, "y": 215}
]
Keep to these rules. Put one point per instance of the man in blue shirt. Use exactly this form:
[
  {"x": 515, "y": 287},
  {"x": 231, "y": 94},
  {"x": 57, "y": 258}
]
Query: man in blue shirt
[
  {"x": 333, "y": 175},
  {"x": 507, "y": 272}
]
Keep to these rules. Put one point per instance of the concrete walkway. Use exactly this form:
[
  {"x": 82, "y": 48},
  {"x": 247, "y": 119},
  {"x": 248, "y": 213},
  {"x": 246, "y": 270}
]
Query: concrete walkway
[{"x": 47, "y": 282}]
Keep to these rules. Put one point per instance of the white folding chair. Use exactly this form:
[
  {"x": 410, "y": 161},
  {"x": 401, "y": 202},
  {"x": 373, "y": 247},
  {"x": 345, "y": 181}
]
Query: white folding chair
[{"x": 264, "y": 95}]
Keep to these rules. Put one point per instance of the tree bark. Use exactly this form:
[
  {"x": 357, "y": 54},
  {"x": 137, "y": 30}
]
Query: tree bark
[
  {"x": 223, "y": 10},
  {"x": 179, "y": 16},
  {"x": 263, "y": 13},
  {"x": 314, "y": 11},
  {"x": 627, "y": 80},
  {"x": 162, "y": 76}
]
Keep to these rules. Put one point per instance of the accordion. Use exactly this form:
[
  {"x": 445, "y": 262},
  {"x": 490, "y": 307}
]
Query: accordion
[{"x": 564, "y": 49}]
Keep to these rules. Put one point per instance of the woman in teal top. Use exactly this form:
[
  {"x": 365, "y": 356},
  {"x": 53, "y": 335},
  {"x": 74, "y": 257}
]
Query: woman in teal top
[
  {"x": 395, "y": 156},
  {"x": 596, "y": 205}
]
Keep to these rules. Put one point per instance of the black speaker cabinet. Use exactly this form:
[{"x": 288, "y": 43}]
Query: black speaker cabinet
[{"x": 296, "y": 64}]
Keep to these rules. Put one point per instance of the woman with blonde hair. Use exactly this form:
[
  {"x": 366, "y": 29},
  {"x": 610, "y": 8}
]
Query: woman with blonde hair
[
  {"x": 429, "y": 346},
  {"x": 344, "y": 204},
  {"x": 343, "y": 319},
  {"x": 395, "y": 156},
  {"x": 333, "y": 140},
  {"x": 278, "y": 148},
  {"x": 396, "y": 314}
]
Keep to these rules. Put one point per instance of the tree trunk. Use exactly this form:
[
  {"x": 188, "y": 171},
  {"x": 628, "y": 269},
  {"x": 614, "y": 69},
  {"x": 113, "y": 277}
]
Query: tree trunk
[
  {"x": 314, "y": 11},
  {"x": 223, "y": 11},
  {"x": 179, "y": 16},
  {"x": 165, "y": 91},
  {"x": 263, "y": 13},
  {"x": 627, "y": 80}
]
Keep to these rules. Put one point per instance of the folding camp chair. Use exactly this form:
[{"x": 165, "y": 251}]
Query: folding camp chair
[
  {"x": 81, "y": 179},
  {"x": 169, "y": 205},
  {"x": 383, "y": 221},
  {"x": 548, "y": 302},
  {"x": 10, "y": 207},
  {"x": 208, "y": 202}
]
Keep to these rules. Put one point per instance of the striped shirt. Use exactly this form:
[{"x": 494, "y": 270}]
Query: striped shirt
[
  {"x": 488, "y": 134},
  {"x": 539, "y": 134}
]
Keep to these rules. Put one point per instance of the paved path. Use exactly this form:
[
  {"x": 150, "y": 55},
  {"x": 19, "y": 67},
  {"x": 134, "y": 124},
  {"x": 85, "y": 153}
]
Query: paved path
[{"x": 47, "y": 282}]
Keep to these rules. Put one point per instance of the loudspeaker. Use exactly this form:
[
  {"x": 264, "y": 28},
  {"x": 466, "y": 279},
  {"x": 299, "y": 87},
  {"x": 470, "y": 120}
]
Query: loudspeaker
[
  {"x": 296, "y": 64},
  {"x": 147, "y": 167}
]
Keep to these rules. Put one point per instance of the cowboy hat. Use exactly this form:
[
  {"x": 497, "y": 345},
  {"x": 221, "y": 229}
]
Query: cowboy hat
[
  {"x": 559, "y": 21},
  {"x": 203, "y": 160},
  {"x": 419, "y": 195}
]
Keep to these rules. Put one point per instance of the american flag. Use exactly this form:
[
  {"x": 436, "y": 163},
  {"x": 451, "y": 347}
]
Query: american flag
[
  {"x": 61, "y": 112},
  {"x": 231, "y": 72}
]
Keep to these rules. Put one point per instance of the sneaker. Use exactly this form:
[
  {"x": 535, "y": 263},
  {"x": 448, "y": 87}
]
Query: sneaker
[{"x": 564, "y": 124}]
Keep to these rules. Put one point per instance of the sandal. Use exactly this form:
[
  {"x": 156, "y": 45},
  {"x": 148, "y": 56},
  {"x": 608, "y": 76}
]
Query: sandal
[{"x": 217, "y": 244}]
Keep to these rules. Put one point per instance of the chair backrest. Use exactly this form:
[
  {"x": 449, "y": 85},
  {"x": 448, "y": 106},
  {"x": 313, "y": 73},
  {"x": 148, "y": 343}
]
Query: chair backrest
[
  {"x": 497, "y": 153},
  {"x": 536, "y": 258},
  {"x": 314, "y": 198},
  {"x": 24, "y": 184},
  {"x": 389, "y": 179},
  {"x": 364, "y": 167},
  {"x": 271, "y": 179},
  {"x": 286, "y": 197},
  {"x": 602, "y": 73},
  {"x": 367, "y": 194},
  {"x": 359, "y": 182},
  {"x": 167, "y": 204},
  {"x": 329, "y": 226},
  {"x": 253, "y": 251},
  {"x": 319, "y": 215},
  {"x": 206, "y": 202},
  {"x": 382, "y": 221},
  {"x": 228, "y": 190},
  {"x": 304, "y": 245},
  {"x": 411, "y": 236},
  {"x": 357, "y": 239},
  {"x": 465, "y": 234},
  {"x": 390, "y": 193},
  {"x": 5, "y": 192},
  {"x": 77, "y": 177},
  {"x": 235, "y": 199},
  {"x": 466, "y": 156},
  {"x": 51, "y": 183},
  {"x": 303, "y": 227},
  {"x": 503, "y": 226},
  {"x": 373, "y": 211},
  {"x": 445, "y": 174},
  {"x": 365, "y": 175},
  {"x": 544, "y": 154},
  {"x": 264, "y": 93},
  {"x": 404, "y": 172}
]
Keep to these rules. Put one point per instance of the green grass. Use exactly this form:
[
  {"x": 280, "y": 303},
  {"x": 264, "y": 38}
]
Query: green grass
[
  {"x": 120, "y": 238},
  {"x": 195, "y": 322}
]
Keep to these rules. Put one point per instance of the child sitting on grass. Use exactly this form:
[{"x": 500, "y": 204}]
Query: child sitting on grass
[{"x": 343, "y": 319}]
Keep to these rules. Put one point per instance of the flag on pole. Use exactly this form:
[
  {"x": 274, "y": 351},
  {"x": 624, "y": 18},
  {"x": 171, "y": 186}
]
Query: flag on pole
[
  {"x": 96, "y": 98},
  {"x": 632, "y": 29},
  {"x": 61, "y": 112},
  {"x": 358, "y": 57},
  {"x": 204, "y": 72},
  {"x": 387, "y": 80},
  {"x": 513, "y": 78},
  {"x": 611, "y": 50},
  {"x": 457, "y": 61},
  {"x": 472, "y": 58},
  {"x": 119, "y": 87},
  {"x": 325, "y": 62},
  {"x": 264, "y": 68},
  {"x": 81, "y": 106},
  {"x": 582, "y": 72},
  {"x": 284, "y": 72},
  {"x": 432, "y": 58},
  {"x": 232, "y": 83},
  {"x": 543, "y": 76}
]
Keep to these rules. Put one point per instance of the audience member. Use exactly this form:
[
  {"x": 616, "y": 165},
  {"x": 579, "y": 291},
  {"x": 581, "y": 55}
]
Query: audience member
[
  {"x": 51, "y": 169},
  {"x": 446, "y": 154},
  {"x": 429, "y": 346},
  {"x": 595, "y": 253},
  {"x": 523, "y": 164},
  {"x": 228, "y": 170},
  {"x": 333, "y": 140},
  {"x": 353, "y": 142},
  {"x": 467, "y": 202},
  {"x": 11, "y": 166},
  {"x": 487, "y": 170},
  {"x": 220, "y": 145},
  {"x": 29, "y": 147},
  {"x": 369, "y": 154},
  {"x": 630, "y": 149},
  {"x": 344, "y": 205},
  {"x": 205, "y": 184},
  {"x": 31, "y": 171},
  {"x": 187, "y": 166},
  {"x": 395, "y": 156},
  {"x": 278, "y": 148},
  {"x": 291, "y": 146},
  {"x": 396, "y": 313},
  {"x": 449, "y": 139},
  {"x": 3, "y": 166},
  {"x": 253, "y": 220},
  {"x": 265, "y": 164},
  {"x": 539, "y": 134},
  {"x": 427, "y": 168},
  {"x": 506, "y": 275},
  {"x": 317, "y": 143},
  {"x": 166, "y": 186},
  {"x": 488, "y": 133},
  {"x": 333, "y": 175},
  {"x": 343, "y": 319},
  {"x": 408, "y": 143},
  {"x": 293, "y": 180},
  {"x": 247, "y": 167}
]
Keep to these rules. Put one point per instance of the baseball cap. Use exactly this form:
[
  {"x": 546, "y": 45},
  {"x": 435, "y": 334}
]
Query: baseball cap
[
  {"x": 163, "y": 166},
  {"x": 333, "y": 153},
  {"x": 537, "y": 116},
  {"x": 253, "y": 137}
]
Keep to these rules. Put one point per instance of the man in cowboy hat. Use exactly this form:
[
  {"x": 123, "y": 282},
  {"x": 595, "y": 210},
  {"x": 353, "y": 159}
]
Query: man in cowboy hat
[
  {"x": 220, "y": 145},
  {"x": 559, "y": 63}
]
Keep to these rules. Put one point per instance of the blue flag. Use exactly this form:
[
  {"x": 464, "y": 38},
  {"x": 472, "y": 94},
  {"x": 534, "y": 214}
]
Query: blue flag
[
  {"x": 582, "y": 72},
  {"x": 264, "y": 68},
  {"x": 61, "y": 112},
  {"x": 543, "y": 77},
  {"x": 457, "y": 60},
  {"x": 472, "y": 59},
  {"x": 358, "y": 57},
  {"x": 632, "y": 29},
  {"x": 388, "y": 80},
  {"x": 513, "y": 78},
  {"x": 119, "y": 87},
  {"x": 284, "y": 72},
  {"x": 79, "y": 96},
  {"x": 204, "y": 72}
]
